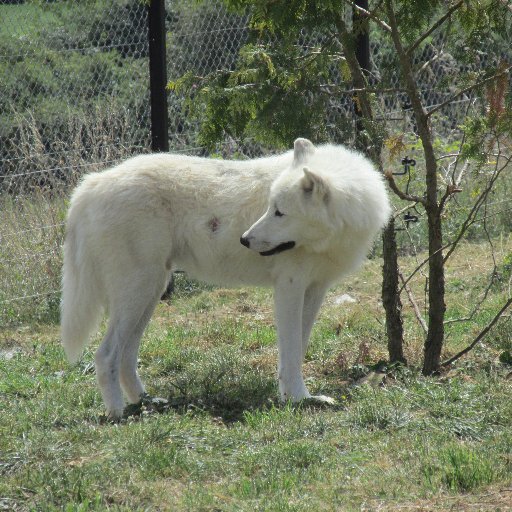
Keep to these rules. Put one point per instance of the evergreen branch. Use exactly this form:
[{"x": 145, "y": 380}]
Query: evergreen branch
[{"x": 469, "y": 88}]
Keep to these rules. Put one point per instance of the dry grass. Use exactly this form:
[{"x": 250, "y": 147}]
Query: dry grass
[{"x": 35, "y": 185}]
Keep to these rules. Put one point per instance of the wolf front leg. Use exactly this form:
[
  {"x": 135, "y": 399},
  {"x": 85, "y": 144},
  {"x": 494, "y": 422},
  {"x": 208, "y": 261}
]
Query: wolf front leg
[
  {"x": 313, "y": 299},
  {"x": 289, "y": 303},
  {"x": 292, "y": 302}
]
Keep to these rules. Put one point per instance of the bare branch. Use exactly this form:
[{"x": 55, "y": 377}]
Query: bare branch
[
  {"x": 468, "y": 89},
  {"x": 413, "y": 245},
  {"x": 476, "y": 207},
  {"x": 415, "y": 307},
  {"x": 489, "y": 326},
  {"x": 457, "y": 181},
  {"x": 491, "y": 280},
  {"x": 426, "y": 260},
  {"x": 435, "y": 26},
  {"x": 478, "y": 304},
  {"x": 427, "y": 63},
  {"x": 355, "y": 90},
  {"x": 403, "y": 210},
  {"x": 368, "y": 14},
  {"x": 422, "y": 264},
  {"x": 449, "y": 155},
  {"x": 450, "y": 191},
  {"x": 402, "y": 195}
]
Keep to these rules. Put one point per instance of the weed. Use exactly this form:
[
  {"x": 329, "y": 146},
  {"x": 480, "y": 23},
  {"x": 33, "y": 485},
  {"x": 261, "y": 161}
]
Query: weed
[{"x": 461, "y": 468}]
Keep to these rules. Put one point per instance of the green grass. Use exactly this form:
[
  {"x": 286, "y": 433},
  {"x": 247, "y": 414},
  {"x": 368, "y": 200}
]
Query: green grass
[
  {"x": 23, "y": 20},
  {"x": 226, "y": 443}
]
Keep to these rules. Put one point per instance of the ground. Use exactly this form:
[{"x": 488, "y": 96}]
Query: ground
[{"x": 394, "y": 441}]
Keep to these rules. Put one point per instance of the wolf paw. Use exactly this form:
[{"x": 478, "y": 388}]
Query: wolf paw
[
  {"x": 146, "y": 405},
  {"x": 112, "y": 416}
]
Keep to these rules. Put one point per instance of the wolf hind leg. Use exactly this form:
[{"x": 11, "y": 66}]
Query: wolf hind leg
[
  {"x": 108, "y": 357},
  {"x": 116, "y": 359},
  {"x": 129, "y": 377}
]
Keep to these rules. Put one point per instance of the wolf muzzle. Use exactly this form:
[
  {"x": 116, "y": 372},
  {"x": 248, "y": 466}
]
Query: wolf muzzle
[
  {"x": 279, "y": 248},
  {"x": 276, "y": 250}
]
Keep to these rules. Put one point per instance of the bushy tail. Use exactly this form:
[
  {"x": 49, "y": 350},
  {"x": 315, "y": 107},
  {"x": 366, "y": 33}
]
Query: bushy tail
[{"x": 81, "y": 305}]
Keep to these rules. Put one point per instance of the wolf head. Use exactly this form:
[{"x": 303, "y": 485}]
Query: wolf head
[{"x": 298, "y": 209}]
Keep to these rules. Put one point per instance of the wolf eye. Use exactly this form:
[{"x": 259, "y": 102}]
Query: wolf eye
[{"x": 278, "y": 213}]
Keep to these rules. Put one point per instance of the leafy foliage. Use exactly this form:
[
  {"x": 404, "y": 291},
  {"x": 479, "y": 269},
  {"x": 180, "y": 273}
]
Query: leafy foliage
[
  {"x": 266, "y": 89},
  {"x": 292, "y": 75},
  {"x": 279, "y": 88}
]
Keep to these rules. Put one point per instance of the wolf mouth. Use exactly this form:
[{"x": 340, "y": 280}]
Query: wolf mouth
[{"x": 279, "y": 248}]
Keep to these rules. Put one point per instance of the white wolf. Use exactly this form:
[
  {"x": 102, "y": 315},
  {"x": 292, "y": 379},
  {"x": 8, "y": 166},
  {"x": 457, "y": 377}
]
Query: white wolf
[{"x": 298, "y": 221}]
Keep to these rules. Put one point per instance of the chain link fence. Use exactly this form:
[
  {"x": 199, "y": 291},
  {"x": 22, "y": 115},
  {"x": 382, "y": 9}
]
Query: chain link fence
[
  {"x": 74, "y": 98},
  {"x": 202, "y": 38}
]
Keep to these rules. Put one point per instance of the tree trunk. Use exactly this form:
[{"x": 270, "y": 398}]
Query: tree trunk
[
  {"x": 436, "y": 306},
  {"x": 391, "y": 296},
  {"x": 372, "y": 147},
  {"x": 435, "y": 336}
]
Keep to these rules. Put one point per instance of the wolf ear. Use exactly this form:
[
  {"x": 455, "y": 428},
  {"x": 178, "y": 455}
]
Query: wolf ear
[
  {"x": 302, "y": 148},
  {"x": 314, "y": 185}
]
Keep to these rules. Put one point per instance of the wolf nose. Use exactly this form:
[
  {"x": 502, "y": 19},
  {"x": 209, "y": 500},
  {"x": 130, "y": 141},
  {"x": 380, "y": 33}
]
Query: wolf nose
[{"x": 245, "y": 241}]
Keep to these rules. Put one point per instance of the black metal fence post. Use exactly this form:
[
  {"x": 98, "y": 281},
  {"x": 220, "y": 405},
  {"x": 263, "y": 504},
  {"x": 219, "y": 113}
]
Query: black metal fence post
[
  {"x": 362, "y": 51},
  {"x": 158, "y": 91},
  {"x": 158, "y": 76},
  {"x": 362, "y": 37}
]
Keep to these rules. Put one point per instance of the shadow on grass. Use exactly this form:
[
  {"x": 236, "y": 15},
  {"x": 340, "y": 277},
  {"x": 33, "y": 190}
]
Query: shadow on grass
[
  {"x": 221, "y": 383},
  {"x": 226, "y": 406}
]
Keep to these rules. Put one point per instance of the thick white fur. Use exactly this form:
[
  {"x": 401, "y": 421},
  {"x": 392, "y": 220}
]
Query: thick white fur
[{"x": 130, "y": 226}]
